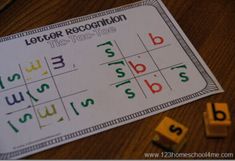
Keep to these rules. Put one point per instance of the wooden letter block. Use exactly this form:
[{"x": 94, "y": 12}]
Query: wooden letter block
[
  {"x": 217, "y": 119},
  {"x": 170, "y": 134}
]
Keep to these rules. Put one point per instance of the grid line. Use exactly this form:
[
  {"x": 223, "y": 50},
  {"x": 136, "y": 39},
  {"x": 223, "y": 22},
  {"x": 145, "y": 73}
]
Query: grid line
[
  {"x": 57, "y": 89},
  {"x": 138, "y": 76},
  {"x": 136, "y": 54},
  {"x": 130, "y": 69},
  {"x": 22, "y": 85},
  {"x": 48, "y": 101},
  {"x": 154, "y": 61},
  {"x": 30, "y": 98}
]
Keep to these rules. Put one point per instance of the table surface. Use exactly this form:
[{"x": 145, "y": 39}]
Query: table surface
[{"x": 209, "y": 24}]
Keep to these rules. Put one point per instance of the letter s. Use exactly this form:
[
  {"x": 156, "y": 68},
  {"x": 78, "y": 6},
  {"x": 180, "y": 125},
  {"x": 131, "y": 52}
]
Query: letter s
[
  {"x": 25, "y": 118},
  {"x": 87, "y": 102},
  {"x": 176, "y": 130},
  {"x": 14, "y": 77},
  {"x": 130, "y": 93},
  {"x": 184, "y": 77},
  {"x": 43, "y": 88}
]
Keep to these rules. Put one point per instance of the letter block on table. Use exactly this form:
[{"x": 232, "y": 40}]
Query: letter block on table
[
  {"x": 217, "y": 119},
  {"x": 170, "y": 134}
]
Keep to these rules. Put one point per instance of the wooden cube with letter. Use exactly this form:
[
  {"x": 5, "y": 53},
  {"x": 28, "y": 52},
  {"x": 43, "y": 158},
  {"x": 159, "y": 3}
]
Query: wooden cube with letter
[
  {"x": 217, "y": 119},
  {"x": 170, "y": 134}
]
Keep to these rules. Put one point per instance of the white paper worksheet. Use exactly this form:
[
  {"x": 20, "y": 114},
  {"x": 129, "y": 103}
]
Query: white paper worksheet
[{"x": 79, "y": 77}]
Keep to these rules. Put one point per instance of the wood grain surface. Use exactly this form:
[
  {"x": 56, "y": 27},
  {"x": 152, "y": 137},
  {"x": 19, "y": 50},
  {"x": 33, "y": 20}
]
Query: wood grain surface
[{"x": 209, "y": 24}]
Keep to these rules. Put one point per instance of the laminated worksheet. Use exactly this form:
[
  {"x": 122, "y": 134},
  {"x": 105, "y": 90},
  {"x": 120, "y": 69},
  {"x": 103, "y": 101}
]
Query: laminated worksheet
[{"x": 76, "y": 78}]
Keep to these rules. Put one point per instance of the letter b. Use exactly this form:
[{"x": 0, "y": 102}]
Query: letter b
[
  {"x": 219, "y": 115},
  {"x": 156, "y": 40},
  {"x": 139, "y": 68},
  {"x": 154, "y": 87}
]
